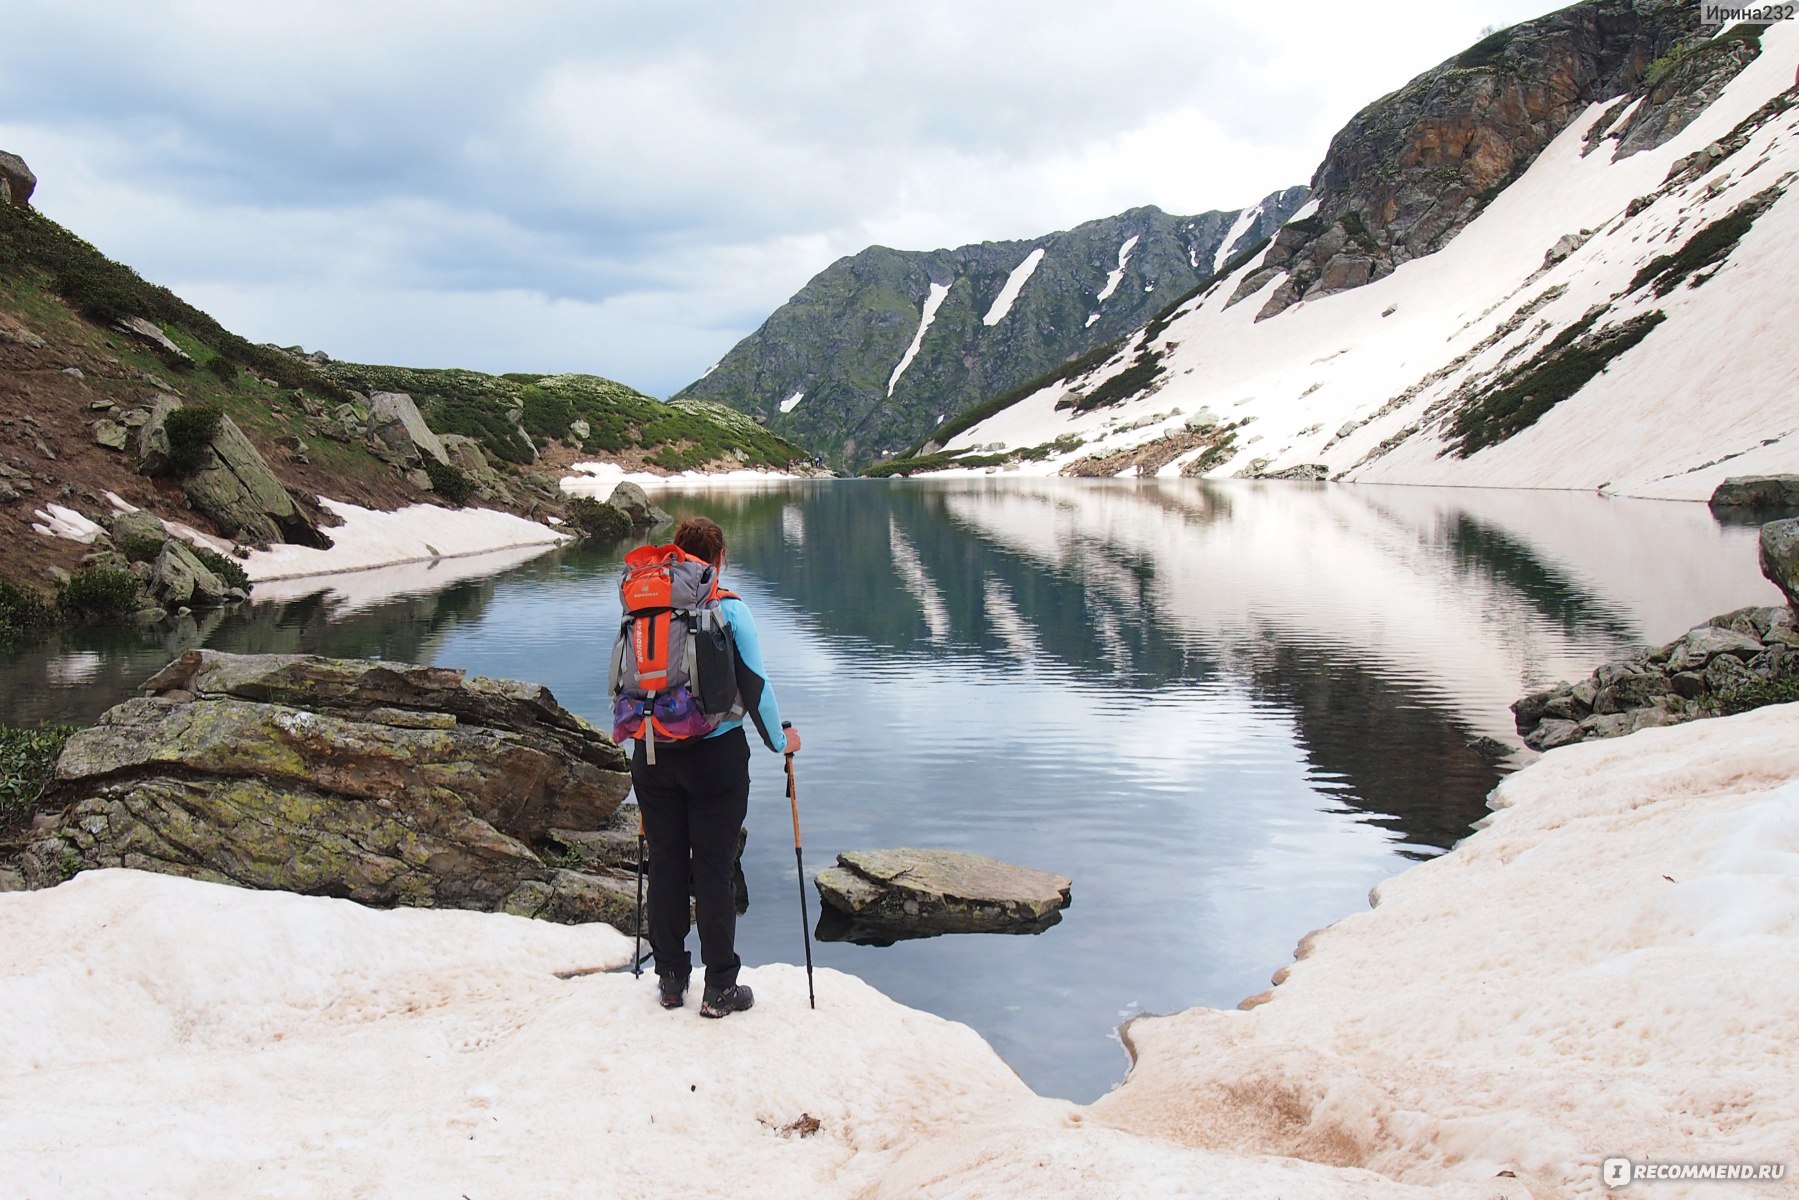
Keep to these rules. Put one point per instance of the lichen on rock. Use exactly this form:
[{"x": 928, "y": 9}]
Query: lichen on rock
[{"x": 385, "y": 783}]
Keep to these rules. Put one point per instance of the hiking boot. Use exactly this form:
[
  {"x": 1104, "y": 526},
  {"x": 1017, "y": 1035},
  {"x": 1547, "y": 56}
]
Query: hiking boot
[
  {"x": 725, "y": 1001},
  {"x": 672, "y": 990}
]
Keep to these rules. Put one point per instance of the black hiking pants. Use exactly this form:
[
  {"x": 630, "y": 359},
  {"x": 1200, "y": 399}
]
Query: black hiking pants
[{"x": 693, "y": 801}]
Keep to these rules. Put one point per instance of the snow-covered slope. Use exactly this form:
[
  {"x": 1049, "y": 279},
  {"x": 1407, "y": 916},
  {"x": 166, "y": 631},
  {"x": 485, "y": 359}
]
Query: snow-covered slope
[
  {"x": 1363, "y": 384},
  {"x": 1606, "y": 969}
]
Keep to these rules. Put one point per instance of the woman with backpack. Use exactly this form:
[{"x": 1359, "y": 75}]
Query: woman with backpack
[{"x": 694, "y": 791}]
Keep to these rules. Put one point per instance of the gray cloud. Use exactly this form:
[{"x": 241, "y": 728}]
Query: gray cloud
[{"x": 628, "y": 188}]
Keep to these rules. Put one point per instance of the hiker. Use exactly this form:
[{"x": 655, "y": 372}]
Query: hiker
[{"x": 693, "y": 794}]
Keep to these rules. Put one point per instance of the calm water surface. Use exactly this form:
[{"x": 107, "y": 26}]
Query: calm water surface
[{"x": 1227, "y": 711}]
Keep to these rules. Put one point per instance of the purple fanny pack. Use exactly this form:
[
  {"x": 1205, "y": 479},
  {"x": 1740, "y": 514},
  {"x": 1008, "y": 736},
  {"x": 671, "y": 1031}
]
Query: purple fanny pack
[{"x": 678, "y": 717}]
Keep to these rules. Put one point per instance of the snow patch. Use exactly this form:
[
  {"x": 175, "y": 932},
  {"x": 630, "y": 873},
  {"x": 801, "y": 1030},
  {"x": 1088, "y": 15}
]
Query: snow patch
[
  {"x": 597, "y": 479},
  {"x": 792, "y": 402},
  {"x": 931, "y": 304},
  {"x": 1002, "y": 303},
  {"x": 1117, "y": 275},
  {"x": 1244, "y": 222},
  {"x": 369, "y": 538},
  {"x": 54, "y": 520}
]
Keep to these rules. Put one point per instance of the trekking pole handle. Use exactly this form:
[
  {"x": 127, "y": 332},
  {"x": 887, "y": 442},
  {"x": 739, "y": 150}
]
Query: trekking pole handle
[{"x": 793, "y": 798}]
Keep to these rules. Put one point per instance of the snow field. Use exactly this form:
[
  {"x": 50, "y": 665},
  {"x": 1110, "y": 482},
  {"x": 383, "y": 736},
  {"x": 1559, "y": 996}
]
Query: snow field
[
  {"x": 232, "y": 1042},
  {"x": 1717, "y": 370},
  {"x": 1595, "y": 972}
]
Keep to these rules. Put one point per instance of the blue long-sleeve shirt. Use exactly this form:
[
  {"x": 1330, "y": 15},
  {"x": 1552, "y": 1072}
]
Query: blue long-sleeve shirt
[{"x": 752, "y": 678}]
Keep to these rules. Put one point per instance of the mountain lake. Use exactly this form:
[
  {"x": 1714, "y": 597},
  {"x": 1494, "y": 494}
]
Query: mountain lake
[{"x": 1226, "y": 710}]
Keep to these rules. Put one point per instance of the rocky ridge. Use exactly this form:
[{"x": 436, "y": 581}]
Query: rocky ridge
[
  {"x": 824, "y": 369},
  {"x": 1413, "y": 168}
]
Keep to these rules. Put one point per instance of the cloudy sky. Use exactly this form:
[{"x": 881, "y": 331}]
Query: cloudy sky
[{"x": 629, "y": 188}]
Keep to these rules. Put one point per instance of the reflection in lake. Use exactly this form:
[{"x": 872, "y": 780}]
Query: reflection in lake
[{"x": 1225, "y": 710}]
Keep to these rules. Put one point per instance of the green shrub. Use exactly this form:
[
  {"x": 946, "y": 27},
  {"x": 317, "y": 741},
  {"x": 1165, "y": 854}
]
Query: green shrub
[
  {"x": 100, "y": 291},
  {"x": 27, "y": 768},
  {"x": 1558, "y": 371},
  {"x": 100, "y": 593},
  {"x": 1127, "y": 383},
  {"x": 448, "y": 481},
  {"x": 1488, "y": 52},
  {"x": 21, "y": 610},
  {"x": 1708, "y": 247},
  {"x": 223, "y": 368},
  {"x": 190, "y": 433},
  {"x": 226, "y": 569},
  {"x": 138, "y": 549},
  {"x": 600, "y": 522}
]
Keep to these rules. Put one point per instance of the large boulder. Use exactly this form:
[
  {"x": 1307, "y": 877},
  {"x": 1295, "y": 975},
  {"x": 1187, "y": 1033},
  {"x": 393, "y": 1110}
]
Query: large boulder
[
  {"x": 1757, "y": 493},
  {"x": 241, "y": 494},
  {"x": 16, "y": 180},
  {"x": 178, "y": 578},
  {"x": 397, "y": 431},
  {"x": 385, "y": 783},
  {"x": 890, "y": 894},
  {"x": 630, "y": 499},
  {"x": 139, "y": 530},
  {"x": 153, "y": 436},
  {"x": 1780, "y": 558}
]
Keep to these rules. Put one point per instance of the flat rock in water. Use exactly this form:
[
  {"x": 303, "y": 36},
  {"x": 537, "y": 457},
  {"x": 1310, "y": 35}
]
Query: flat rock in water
[{"x": 890, "y": 894}]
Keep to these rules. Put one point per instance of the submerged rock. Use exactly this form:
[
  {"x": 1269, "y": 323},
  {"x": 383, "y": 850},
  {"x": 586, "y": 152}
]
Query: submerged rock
[
  {"x": 891, "y": 894},
  {"x": 1769, "y": 494},
  {"x": 380, "y": 782}
]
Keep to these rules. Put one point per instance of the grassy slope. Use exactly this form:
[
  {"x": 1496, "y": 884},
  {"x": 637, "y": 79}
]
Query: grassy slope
[{"x": 59, "y": 300}]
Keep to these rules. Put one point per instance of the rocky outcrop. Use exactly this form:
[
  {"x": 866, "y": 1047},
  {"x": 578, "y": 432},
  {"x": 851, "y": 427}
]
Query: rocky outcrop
[
  {"x": 1681, "y": 87},
  {"x": 1706, "y": 671},
  {"x": 385, "y": 783},
  {"x": 16, "y": 180},
  {"x": 823, "y": 369},
  {"x": 236, "y": 488},
  {"x": 1757, "y": 494},
  {"x": 885, "y": 895},
  {"x": 398, "y": 433},
  {"x": 1412, "y": 169},
  {"x": 233, "y": 486},
  {"x": 1779, "y": 555},
  {"x": 152, "y": 333}
]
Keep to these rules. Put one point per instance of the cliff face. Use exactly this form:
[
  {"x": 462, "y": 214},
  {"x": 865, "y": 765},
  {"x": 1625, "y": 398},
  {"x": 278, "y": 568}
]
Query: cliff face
[
  {"x": 879, "y": 348},
  {"x": 1413, "y": 168}
]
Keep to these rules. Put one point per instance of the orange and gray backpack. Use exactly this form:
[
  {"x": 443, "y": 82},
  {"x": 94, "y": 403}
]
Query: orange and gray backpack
[{"x": 674, "y": 665}]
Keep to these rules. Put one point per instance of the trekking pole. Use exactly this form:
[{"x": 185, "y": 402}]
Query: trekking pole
[
  {"x": 637, "y": 925},
  {"x": 799, "y": 862}
]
